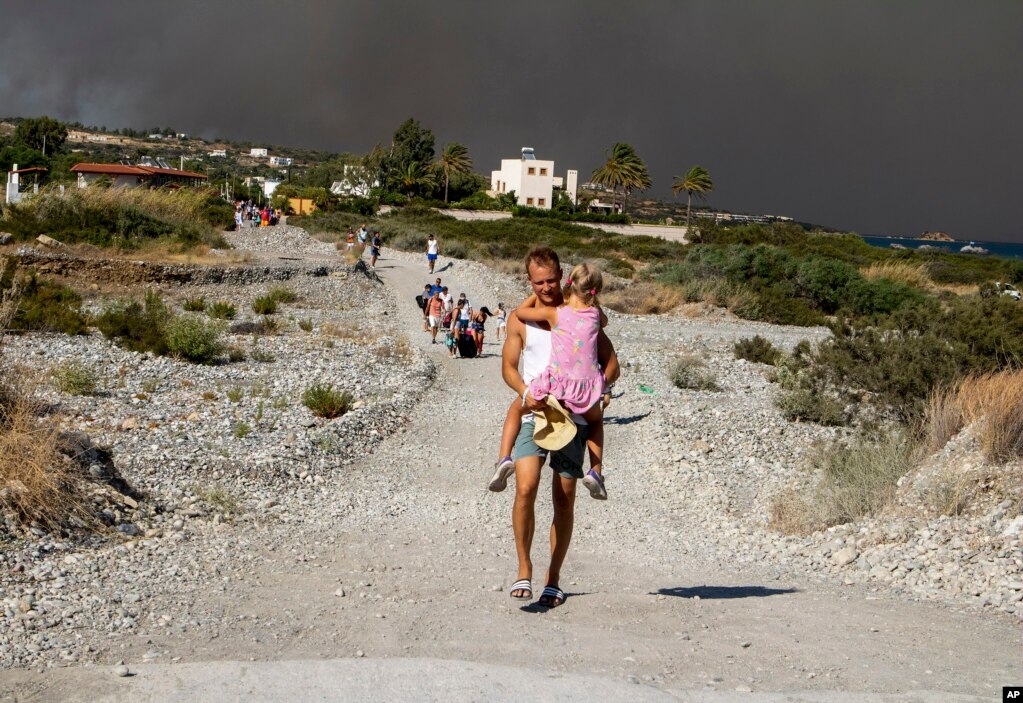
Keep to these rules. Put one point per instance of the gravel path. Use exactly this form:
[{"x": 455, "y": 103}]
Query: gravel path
[{"x": 382, "y": 542}]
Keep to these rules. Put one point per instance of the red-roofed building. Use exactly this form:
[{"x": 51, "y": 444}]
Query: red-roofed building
[{"x": 122, "y": 176}]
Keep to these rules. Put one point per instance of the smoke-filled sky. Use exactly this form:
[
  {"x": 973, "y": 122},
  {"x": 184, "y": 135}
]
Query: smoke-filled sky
[{"x": 877, "y": 116}]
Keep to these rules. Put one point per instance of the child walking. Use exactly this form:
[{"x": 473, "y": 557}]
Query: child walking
[{"x": 573, "y": 375}]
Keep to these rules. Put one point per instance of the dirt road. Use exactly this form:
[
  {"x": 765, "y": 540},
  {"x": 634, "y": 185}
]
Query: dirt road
[{"x": 419, "y": 570}]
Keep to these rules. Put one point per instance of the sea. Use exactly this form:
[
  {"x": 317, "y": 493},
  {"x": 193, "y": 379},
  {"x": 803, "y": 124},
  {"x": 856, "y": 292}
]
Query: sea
[{"x": 1007, "y": 250}]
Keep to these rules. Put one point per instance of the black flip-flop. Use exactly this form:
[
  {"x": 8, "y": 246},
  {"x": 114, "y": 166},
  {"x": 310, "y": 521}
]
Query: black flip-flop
[{"x": 550, "y": 595}]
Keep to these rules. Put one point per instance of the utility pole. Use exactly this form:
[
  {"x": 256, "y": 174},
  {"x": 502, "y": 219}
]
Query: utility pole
[{"x": 44, "y": 145}]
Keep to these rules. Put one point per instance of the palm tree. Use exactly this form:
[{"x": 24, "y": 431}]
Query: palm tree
[
  {"x": 696, "y": 181},
  {"x": 454, "y": 159},
  {"x": 415, "y": 176},
  {"x": 622, "y": 168}
]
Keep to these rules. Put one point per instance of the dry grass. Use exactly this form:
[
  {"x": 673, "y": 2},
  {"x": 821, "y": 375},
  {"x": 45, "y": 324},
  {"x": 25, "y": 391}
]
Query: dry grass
[
  {"x": 994, "y": 400},
  {"x": 915, "y": 275},
  {"x": 39, "y": 485},
  {"x": 851, "y": 481},
  {"x": 349, "y": 331},
  {"x": 351, "y": 256},
  {"x": 641, "y": 298}
]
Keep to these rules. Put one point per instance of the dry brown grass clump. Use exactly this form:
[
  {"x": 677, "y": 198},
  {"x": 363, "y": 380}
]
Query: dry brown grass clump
[
  {"x": 349, "y": 331},
  {"x": 994, "y": 400},
  {"x": 915, "y": 275},
  {"x": 641, "y": 298},
  {"x": 39, "y": 484},
  {"x": 850, "y": 481}
]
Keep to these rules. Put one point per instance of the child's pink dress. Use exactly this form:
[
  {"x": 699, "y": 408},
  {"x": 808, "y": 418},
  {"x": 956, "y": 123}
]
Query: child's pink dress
[{"x": 572, "y": 375}]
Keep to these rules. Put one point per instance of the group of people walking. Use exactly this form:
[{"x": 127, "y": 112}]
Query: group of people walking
[
  {"x": 461, "y": 327},
  {"x": 365, "y": 239},
  {"x": 248, "y": 214}
]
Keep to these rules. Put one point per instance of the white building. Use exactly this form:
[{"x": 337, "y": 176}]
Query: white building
[
  {"x": 532, "y": 180},
  {"x": 269, "y": 187},
  {"x": 281, "y": 160},
  {"x": 258, "y": 152},
  {"x": 218, "y": 152}
]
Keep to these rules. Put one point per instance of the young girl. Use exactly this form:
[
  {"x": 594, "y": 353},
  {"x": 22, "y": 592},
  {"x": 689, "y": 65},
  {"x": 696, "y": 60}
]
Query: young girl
[
  {"x": 502, "y": 321},
  {"x": 573, "y": 375}
]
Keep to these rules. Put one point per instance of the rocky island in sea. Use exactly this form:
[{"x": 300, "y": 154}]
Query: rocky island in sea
[{"x": 936, "y": 237}]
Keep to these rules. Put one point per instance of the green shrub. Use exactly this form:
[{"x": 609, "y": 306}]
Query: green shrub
[
  {"x": 305, "y": 324},
  {"x": 282, "y": 295},
  {"x": 264, "y": 305},
  {"x": 194, "y": 305},
  {"x": 757, "y": 349},
  {"x": 195, "y": 338},
  {"x": 236, "y": 394},
  {"x": 222, "y": 310},
  {"x": 235, "y": 354},
  {"x": 120, "y": 216},
  {"x": 326, "y": 402},
  {"x": 242, "y": 429},
  {"x": 43, "y": 306},
  {"x": 263, "y": 356},
  {"x": 811, "y": 404},
  {"x": 136, "y": 326},
  {"x": 74, "y": 378},
  {"x": 689, "y": 372}
]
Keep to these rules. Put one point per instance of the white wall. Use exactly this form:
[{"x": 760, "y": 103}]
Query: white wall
[
  {"x": 514, "y": 175},
  {"x": 120, "y": 181}
]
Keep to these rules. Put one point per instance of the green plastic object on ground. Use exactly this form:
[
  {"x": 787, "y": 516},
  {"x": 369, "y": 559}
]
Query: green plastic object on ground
[{"x": 647, "y": 389}]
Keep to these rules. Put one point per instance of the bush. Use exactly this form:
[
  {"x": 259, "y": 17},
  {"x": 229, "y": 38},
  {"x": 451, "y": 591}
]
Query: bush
[
  {"x": 120, "y": 216},
  {"x": 811, "y": 404},
  {"x": 264, "y": 305},
  {"x": 42, "y": 306},
  {"x": 282, "y": 295},
  {"x": 325, "y": 402},
  {"x": 194, "y": 305},
  {"x": 757, "y": 349},
  {"x": 222, "y": 310},
  {"x": 853, "y": 481},
  {"x": 74, "y": 378},
  {"x": 688, "y": 372},
  {"x": 194, "y": 338},
  {"x": 305, "y": 324},
  {"x": 137, "y": 326}
]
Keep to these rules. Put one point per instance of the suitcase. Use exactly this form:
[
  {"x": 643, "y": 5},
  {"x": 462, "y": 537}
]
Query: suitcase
[{"x": 466, "y": 346}]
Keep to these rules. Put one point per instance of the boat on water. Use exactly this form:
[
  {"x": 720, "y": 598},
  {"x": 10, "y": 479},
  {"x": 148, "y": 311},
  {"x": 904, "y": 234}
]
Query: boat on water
[{"x": 972, "y": 248}]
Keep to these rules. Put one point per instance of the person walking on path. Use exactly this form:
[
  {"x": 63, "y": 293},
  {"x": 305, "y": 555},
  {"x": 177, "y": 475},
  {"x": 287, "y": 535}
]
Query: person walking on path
[
  {"x": 423, "y": 301},
  {"x": 436, "y": 312},
  {"x": 531, "y": 344},
  {"x": 502, "y": 321},
  {"x": 374, "y": 249},
  {"x": 432, "y": 251}
]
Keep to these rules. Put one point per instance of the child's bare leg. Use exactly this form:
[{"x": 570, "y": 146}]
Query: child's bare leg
[
  {"x": 512, "y": 425},
  {"x": 595, "y": 442}
]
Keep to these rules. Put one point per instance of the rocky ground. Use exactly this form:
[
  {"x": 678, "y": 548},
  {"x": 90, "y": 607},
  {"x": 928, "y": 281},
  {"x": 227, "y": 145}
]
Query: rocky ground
[{"x": 373, "y": 535}]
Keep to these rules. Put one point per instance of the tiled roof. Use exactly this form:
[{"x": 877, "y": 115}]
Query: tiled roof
[{"x": 122, "y": 170}]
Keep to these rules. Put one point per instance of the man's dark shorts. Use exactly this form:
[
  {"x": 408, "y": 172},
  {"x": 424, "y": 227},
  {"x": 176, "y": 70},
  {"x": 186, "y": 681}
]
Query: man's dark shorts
[{"x": 567, "y": 461}]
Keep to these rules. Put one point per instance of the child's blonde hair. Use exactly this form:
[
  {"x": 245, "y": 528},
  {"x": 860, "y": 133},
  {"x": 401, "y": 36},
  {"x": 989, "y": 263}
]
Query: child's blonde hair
[{"x": 585, "y": 282}]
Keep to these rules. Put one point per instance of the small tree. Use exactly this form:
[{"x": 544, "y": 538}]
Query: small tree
[
  {"x": 454, "y": 160},
  {"x": 697, "y": 181}
]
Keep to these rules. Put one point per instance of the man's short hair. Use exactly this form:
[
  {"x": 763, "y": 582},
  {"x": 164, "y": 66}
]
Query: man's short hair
[
  {"x": 543, "y": 256},
  {"x": 444, "y": 289}
]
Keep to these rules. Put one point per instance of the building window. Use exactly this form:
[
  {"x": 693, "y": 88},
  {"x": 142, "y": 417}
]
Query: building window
[
  {"x": 543, "y": 171},
  {"x": 532, "y": 170},
  {"x": 543, "y": 202},
  {"x": 529, "y": 201}
]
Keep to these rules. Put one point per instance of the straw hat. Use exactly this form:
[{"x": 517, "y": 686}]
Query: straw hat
[{"x": 553, "y": 428}]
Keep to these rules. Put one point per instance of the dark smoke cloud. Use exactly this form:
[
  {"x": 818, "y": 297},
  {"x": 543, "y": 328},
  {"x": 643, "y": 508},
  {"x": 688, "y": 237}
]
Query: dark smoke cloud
[{"x": 882, "y": 117}]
